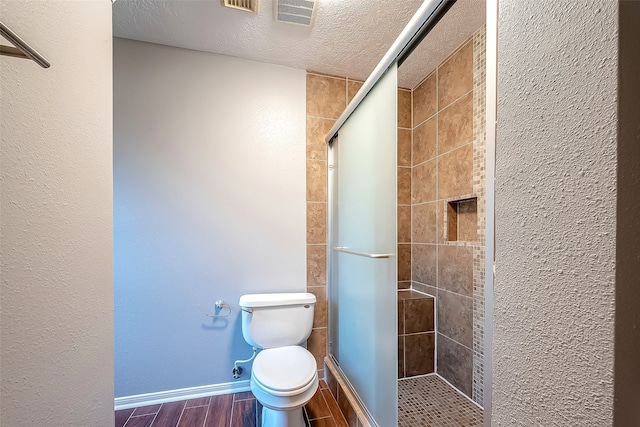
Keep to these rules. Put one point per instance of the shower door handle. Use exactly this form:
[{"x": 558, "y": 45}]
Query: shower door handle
[{"x": 346, "y": 250}]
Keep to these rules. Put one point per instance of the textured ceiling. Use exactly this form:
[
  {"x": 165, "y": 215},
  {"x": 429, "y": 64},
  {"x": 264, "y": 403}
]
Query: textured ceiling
[{"x": 348, "y": 39}]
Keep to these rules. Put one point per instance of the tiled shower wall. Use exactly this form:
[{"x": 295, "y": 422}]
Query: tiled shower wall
[
  {"x": 447, "y": 202},
  {"x": 327, "y": 97},
  {"x": 404, "y": 188},
  {"x": 440, "y": 179}
]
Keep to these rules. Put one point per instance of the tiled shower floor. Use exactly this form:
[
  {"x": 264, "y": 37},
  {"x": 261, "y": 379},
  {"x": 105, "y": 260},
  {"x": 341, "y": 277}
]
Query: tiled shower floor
[{"x": 430, "y": 401}]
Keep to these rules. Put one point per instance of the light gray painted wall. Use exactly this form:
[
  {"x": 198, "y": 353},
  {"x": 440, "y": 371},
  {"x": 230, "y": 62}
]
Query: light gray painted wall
[
  {"x": 556, "y": 164},
  {"x": 209, "y": 203},
  {"x": 56, "y": 226}
]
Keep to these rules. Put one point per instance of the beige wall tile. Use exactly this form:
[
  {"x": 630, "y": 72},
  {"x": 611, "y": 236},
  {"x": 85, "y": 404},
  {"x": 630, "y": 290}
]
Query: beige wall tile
[
  {"x": 455, "y": 76},
  {"x": 332, "y": 382},
  {"x": 455, "y": 317},
  {"x": 317, "y": 129},
  {"x": 424, "y": 100},
  {"x": 404, "y": 108},
  {"x": 317, "y": 345},
  {"x": 455, "y": 124},
  {"x": 326, "y": 96},
  {"x": 418, "y": 354},
  {"x": 423, "y": 264},
  {"x": 404, "y": 224},
  {"x": 353, "y": 86},
  {"x": 455, "y": 364},
  {"x": 404, "y": 186},
  {"x": 424, "y": 223},
  {"x": 424, "y": 141},
  {"x": 455, "y": 269},
  {"x": 400, "y": 315},
  {"x": 424, "y": 182},
  {"x": 455, "y": 173},
  {"x": 429, "y": 290},
  {"x": 316, "y": 265},
  {"x": 401, "y": 356},
  {"x": 404, "y": 262},
  {"x": 441, "y": 207},
  {"x": 316, "y": 222},
  {"x": 418, "y": 315},
  {"x": 404, "y": 285},
  {"x": 316, "y": 181},
  {"x": 404, "y": 147},
  {"x": 346, "y": 408},
  {"x": 320, "y": 309}
]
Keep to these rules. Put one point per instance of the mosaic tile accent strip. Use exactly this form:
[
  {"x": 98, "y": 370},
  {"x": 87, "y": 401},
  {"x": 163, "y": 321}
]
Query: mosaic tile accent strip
[
  {"x": 430, "y": 401},
  {"x": 479, "y": 188}
]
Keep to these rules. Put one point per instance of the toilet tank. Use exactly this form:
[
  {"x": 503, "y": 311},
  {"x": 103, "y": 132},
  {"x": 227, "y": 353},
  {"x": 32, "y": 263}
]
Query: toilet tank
[{"x": 277, "y": 320}]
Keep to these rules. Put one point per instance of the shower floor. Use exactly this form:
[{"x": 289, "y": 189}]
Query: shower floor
[{"x": 430, "y": 401}]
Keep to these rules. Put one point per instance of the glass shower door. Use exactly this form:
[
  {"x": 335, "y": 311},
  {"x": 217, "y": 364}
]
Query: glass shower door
[{"x": 363, "y": 242}]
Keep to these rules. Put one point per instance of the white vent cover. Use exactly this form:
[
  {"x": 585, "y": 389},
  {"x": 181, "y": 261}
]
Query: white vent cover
[
  {"x": 246, "y": 5},
  {"x": 299, "y": 12}
]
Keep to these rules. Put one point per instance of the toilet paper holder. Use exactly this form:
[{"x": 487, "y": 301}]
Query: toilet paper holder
[{"x": 220, "y": 305}]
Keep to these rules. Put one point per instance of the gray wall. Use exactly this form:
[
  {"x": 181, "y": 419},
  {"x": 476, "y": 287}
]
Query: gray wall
[
  {"x": 564, "y": 265},
  {"x": 56, "y": 218},
  {"x": 209, "y": 203}
]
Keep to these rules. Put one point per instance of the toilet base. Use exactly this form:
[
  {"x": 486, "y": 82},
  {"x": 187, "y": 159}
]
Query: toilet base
[{"x": 292, "y": 418}]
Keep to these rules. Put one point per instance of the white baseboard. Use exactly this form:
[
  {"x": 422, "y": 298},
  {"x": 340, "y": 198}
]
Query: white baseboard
[{"x": 134, "y": 401}]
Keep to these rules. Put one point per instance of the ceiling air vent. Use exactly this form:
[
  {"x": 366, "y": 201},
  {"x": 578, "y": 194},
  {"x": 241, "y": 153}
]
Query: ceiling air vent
[
  {"x": 246, "y": 5},
  {"x": 299, "y": 12}
]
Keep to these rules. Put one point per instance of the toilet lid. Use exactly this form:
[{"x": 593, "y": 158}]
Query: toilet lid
[{"x": 284, "y": 368}]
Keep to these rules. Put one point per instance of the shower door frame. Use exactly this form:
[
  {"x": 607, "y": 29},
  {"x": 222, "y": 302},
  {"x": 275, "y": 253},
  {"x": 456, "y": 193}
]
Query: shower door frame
[
  {"x": 385, "y": 281},
  {"x": 410, "y": 37}
]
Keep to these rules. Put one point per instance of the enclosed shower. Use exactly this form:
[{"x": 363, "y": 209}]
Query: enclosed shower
[{"x": 406, "y": 232}]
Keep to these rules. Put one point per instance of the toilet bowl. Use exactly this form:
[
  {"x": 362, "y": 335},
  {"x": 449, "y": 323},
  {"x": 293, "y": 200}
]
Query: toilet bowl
[
  {"x": 284, "y": 376},
  {"x": 283, "y": 380}
]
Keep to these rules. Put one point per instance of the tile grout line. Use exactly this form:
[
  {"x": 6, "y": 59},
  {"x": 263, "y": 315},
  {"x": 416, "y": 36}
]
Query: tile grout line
[
  {"x": 128, "y": 418},
  {"x": 181, "y": 413},
  {"x": 325, "y": 404},
  {"x": 310, "y": 116},
  {"x": 459, "y": 343},
  {"x": 255, "y": 414},
  {"x": 439, "y": 110},
  {"x": 444, "y": 154},
  {"x": 156, "y": 415},
  {"x": 206, "y": 416},
  {"x": 233, "y": 404},
  {"x": 456, "y": 50}
]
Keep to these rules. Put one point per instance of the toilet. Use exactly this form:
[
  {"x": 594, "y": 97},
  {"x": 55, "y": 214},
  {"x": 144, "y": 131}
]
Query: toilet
[{"x": 284, "y": 376}]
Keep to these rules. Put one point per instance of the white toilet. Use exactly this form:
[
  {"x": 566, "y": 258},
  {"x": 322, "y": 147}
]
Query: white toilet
[{"x": 284, "y": 376}]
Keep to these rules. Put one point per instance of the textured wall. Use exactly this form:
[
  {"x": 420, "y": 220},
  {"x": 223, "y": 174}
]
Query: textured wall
[
  {"x": 56, "y": 228},
  {"x": 209, "y": 203},
  {"x": 555, "y": 213}
]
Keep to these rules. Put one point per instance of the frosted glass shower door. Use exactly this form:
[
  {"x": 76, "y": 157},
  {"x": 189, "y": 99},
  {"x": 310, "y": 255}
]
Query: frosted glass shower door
[{"x": 363, "y": 261}]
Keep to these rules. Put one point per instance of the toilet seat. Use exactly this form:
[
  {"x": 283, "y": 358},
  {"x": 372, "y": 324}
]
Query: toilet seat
[{"x": 284, "y": 371}]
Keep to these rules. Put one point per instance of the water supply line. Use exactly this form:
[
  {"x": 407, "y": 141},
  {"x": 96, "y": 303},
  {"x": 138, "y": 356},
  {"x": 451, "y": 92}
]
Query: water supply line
[{"x": 237, "y": 370}]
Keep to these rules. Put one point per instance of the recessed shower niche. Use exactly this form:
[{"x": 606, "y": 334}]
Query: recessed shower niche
[{"x": 462, "y": 220}]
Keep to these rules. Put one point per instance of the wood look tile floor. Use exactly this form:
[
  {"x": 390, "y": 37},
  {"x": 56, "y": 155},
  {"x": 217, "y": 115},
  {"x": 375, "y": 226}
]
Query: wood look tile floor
[{"x": 229, "y": 410}]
